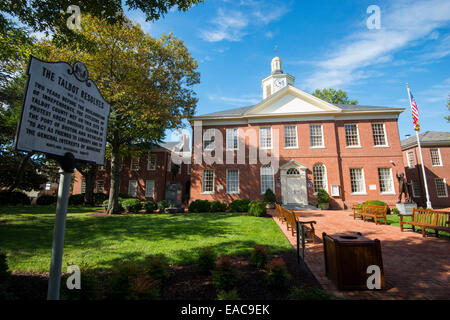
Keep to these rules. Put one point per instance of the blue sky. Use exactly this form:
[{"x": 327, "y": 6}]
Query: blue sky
[{"x": 322, "y": 43}]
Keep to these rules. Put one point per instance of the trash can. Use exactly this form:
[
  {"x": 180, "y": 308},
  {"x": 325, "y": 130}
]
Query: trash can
[{"x": 347, "y": 257}]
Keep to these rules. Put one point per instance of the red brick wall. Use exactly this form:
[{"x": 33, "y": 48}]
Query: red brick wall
[{"x": 335, "y": 156}]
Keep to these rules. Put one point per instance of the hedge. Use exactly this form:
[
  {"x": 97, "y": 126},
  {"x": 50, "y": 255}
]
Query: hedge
[
  {"x": 150, "y": 206},
  {"x": 239, "y": 205},
  {"x": 46, "y": 200},
  {"x": 14, "y": 198},
  {"x": 132, "y": 205},
  {"x": 257, "y": 208},
  {"x": 200, "y": 206},
  {"x": 217, "y": 206}
]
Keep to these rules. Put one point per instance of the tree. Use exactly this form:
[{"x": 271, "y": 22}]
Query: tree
[
  {"x": 333, "y": 96},
  {"x": 148, "y": 83},
  {"x": 89, "y": 172}
]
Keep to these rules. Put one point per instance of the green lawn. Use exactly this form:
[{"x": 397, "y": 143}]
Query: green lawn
[
  {"x": 101, "y": 242},
  {"x": 394, "y": 220}
]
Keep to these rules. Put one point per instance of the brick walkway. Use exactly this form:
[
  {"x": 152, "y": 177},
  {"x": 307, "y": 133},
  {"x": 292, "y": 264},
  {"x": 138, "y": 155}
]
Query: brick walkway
[{"x": 414, "y": 267}]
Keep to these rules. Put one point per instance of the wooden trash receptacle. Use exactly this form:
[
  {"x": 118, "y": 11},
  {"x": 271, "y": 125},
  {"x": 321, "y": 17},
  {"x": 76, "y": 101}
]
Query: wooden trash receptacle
[{"x": 347, "y": 257}]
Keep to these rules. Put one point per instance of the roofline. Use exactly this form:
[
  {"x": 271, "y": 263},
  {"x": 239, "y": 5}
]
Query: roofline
[{"x": 425, "y": 144}]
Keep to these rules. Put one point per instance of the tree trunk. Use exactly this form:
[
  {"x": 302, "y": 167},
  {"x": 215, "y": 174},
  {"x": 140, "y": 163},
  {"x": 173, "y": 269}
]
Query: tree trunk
[
  {"x": 89, "y": 176},
  {"x": 113, "y": 204},
  {"x": 20, "y": 170}
]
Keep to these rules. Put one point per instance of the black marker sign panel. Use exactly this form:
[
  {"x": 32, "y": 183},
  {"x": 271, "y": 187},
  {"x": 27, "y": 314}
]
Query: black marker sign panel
[{"x": 63, "y": 111}]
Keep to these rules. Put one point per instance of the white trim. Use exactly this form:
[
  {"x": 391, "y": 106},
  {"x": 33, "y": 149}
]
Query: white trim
[
  {"x": 321, "y": 134},
  {"x": 213, "y": 181},
  {"x": 153, "y": 195},
  {"x": 445, "y": 184},
  {"x": 440, "y": 158},
  {"x": 226, "y": 139},
  {"x": 357, "y": 135},
  {"x": 261, "y": 182},
  {"x": 148, "y": 161},
  {"x": 135, "y": 189},
  {"x": 296, "y": 136},
  {"x": 386, "y": 142},
  {"x": 131, "y": 164},
  {"x": 238, "y": 185},
  {"x": 271, "y": 138},
  {"x": 364, "y": 192},
  {"x": 392, "y": 192}
]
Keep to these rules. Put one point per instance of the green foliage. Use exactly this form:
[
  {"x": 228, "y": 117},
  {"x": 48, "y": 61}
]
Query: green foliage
[
  {"x": 157, "y": 267},
  {"x": 106, "y": 203},
  {"x": 217, "y": 206},
  {"x": 200, "y": 206},
  {"x": 269, "y": 196},
  {"x": 4, "y": 276},
  {"x": 13, "y": 198},
  {"x": 89, "y": 285},
  {"x": 257, "y": 208},
  {"x": 277, "y": 276},
  {"x": 119, "y": 283},
  {"x": 374, "y": 203},
  {"x": 143, "y": 287},
  {"x": 323, "y": 196},
  {"x": 225, "y": 276},
  {"x": 334, "y": 96},
  {"x": 239, "y": 205},
  {"x": 150, "y": 206},
  {"x": 125, "y": 196},
  {"x": 206, "y": 260},
  {"x": 163, "y": 204},
  {"x": 395, "y": 211},
  {"x": 132, "y": 205},
  {"x": 100, "y": 197},
  {"x": 228, "y": 295},
  {"x": 76, "y": 199},
  {"x": 259, "y": 256},
  {"x": 46, "y": 200},
  {"x": 308, "y": 293}
]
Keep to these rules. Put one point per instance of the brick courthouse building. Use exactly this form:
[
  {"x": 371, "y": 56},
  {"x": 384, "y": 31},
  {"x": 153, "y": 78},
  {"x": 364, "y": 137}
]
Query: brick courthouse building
[{"x": 352, "y": 151}]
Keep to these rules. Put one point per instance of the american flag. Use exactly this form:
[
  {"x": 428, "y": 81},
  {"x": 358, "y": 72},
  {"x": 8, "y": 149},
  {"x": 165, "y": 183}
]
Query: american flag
[{"x": 415, "y": 112}]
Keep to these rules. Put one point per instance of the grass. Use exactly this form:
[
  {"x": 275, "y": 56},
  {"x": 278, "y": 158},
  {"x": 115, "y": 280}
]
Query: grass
[
  {"x": 101, "y": 242},
  {"x": 394, "y": 220}
]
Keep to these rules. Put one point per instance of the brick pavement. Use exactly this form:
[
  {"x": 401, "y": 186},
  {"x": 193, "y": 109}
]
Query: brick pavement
[{"x": 414, "y": 267}]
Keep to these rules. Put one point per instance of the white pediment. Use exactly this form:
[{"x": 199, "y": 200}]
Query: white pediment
[{"x": 292, "y": 101}]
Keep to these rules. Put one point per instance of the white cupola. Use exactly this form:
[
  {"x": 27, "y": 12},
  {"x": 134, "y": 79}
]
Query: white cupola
[{"x": 277, "y": 79}]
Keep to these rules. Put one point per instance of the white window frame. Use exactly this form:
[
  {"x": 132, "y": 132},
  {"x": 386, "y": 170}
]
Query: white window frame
[
  {"x": 386, "y": 144},
  {"x": 296, "y": 137},
  {"x": 392, "y": 191},
  {"x": 324, "y": 177},
  {"x": 357, "y": 136},
  {"x": 439, "y": 157},
  {"x": 131, "y": 164},
  {"x": 444, "y": 181},
  {"x": 364, "y": 191},
  {"x": 411, "y": 160},
  {"x": 83, "y": 185},
  {"x": 102, "y": 185},
  {"x": 151, "y": 165},
  {"x": 234, "y": 135},
  {"x": 135, "y": 188},
  {"x": 209, "y": 134},
  {"x": 261, "y": 178},
  {"x": 146, "y": 189},
  {"x": 321, "y": 134},
  {"x": 260, "y": 138},
  {"x": 233, "y": 191},
  {"x": 213, "y": 181},
  {"x": 415, "y": 185}
]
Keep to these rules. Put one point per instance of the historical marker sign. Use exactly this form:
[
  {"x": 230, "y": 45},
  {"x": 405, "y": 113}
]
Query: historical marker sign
[{"x": 63, "y": 111}]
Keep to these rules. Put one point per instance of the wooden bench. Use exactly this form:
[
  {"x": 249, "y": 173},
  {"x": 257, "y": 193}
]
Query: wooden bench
[
  {"x": 426, "y": 218},
  {"x": 371, "y": 211},
  {"x": 291, "y": 223},
  {"x": 279, "y": 213}
]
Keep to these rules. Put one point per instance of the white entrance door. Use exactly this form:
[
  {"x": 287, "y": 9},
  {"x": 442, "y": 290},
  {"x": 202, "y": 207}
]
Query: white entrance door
[{"x": 295, "y": 187}]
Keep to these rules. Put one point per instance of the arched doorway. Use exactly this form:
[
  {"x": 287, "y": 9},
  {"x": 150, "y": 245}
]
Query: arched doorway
[{"x": 293, "y": 183}]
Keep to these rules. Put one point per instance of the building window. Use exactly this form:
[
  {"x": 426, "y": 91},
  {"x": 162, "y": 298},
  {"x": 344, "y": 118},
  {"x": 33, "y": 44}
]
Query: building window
[
  {"x": 379, "y": 136},
  {"x": 435, "y": 157},
  {"x": 150, "y": 188},
  {"x": 208, "y": 181},
  {"x": 385, "y": 179},
  {"x": 290, "y": 137},
  {"x": 232, "y": 139},
  {"x": 100, "y": 186},
  {"x": 316, "y": 135},
  {"x": 188, "y": 168},
  {"x": 267, "y": 181},
  {"x": 208, "y": 139},
  {"x": 441, "y": 187},
  {"x": 357, "y": 180},
  {"x": 410, "y": 158},
  {"x": 101, "y": 168},
  {"x": 134, "y": 164},
  {"x": 232, "y": 181},
  {"x": 265, "y": 137},
  {"x": 351, "y": 135},
  {"x": 151, "y": 161},
  {"x": 132, "y": 188},
  {"x": 416, "y": 193},
  {"x": 319, "y": 177},
  {"x": 83, "y": 185}
]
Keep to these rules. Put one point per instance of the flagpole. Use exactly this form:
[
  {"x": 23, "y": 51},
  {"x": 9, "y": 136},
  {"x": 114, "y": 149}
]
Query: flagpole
[{"x": 421, "y": 158}]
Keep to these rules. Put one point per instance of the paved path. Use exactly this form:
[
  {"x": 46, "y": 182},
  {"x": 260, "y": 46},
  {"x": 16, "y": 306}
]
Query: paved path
[{"x": 414, "y": 267}]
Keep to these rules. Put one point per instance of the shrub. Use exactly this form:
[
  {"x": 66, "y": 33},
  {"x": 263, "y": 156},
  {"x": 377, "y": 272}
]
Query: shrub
[
  {"x": 375, "y": 203},
  {"x": 4, "y": 276},
  {"x": 259, "y": 257},
  {"x": 257, "y": 208},
  {"x": 200, "y": 206},
  {"x": 14, "y": 198},
  {"x": 106, "y": 202},
  {"x": 157, "y": 267},
  {"x": 150, "y": 206},
  {"x": 228, "y": 295},
  {"x": 225, "y": 275},
  {"x": 119, "y": 283},
  {"x": 206, "y": 260},
  {"x": 76, "y": 199},
  {"x": 323, "y": 196},
  {"x": 124, "y": 196},
  {"x": 163, "y": 204},
  {"x": 269, "y": 196},
  {"x": 89, "y": 285},
  {"x": 217, "y": 206},
  {"x": 46, "y": 200},
  {"x": 277, "y": 274},
  {"x": 132, "y": 205},
  {"x": 308, "y": 293},
  {"x": 239, "y": 205},
  {"x": 143, "y": 287},
  {"x": 395, "y": 211},
  {"x": 99, "y": 197}
]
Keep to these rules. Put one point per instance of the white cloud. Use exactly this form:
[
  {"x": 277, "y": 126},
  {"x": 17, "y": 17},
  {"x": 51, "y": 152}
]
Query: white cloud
[
  {"x": 402, "y": 24},
  {"x": 229, "y": 25},
  {"x": 244, "y": 100}
]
